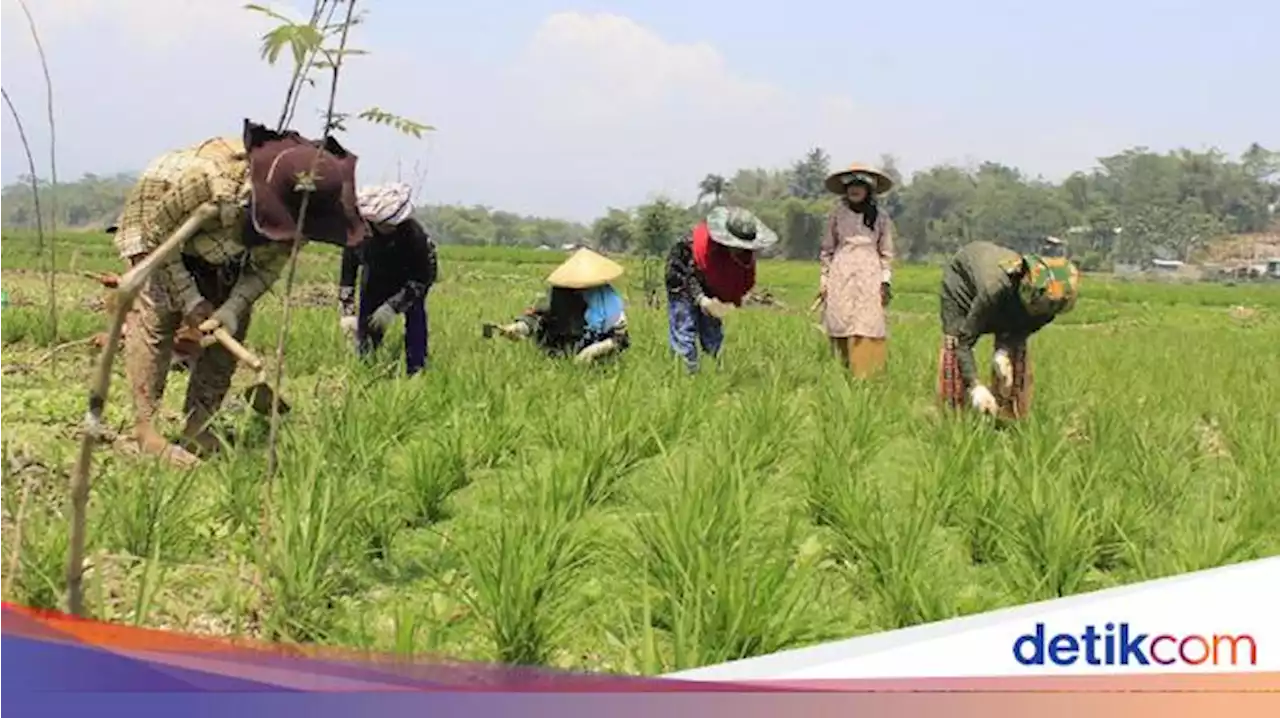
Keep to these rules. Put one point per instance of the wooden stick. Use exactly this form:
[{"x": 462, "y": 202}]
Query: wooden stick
[
  {"x": 130, "y": 284},
  {"x": 238, "y": 350}
]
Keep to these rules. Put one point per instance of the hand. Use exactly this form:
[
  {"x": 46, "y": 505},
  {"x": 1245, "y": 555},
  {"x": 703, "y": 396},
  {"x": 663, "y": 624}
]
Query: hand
[
  {"x": 198, "y": 312},
  {"x": 713, "y": 307},
  {"x": 225, "y": 317},
  {"x": 1004, "y": 368},
  {"x": 348, "y": 324},
  {"x": 886, "y": 294},
  {"x": 514, "y": 331},
  {"x": 382, "y": 317},
  {"x": 595, "y": 351},
  {"x": 981, "y": 398}
]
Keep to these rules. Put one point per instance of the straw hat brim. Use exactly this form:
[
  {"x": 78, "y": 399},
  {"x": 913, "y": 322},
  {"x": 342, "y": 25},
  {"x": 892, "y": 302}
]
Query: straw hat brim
[
  {"x": 585, "y": 269},
  {"x": 836, "y": 182}
]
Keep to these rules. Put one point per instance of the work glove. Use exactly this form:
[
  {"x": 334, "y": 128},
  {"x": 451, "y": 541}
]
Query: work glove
[
  {"x": 514, "y": 330},
  {"x": 981, "y": 398},
  {"x": 196, "y": 310},
  {"x": 348, "y": 325},
  {"x": 713, "y": 307},
  {"x": 1003, "y": 366},
  {"x": 595, "y": 351},
  {"x": 382, "y": 317},
  {"x": 227, "y": 316},
  {"x": 886, "y": 294}
]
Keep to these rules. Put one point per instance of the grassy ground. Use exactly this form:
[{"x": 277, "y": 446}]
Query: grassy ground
[{"x": 630, "y": 518}]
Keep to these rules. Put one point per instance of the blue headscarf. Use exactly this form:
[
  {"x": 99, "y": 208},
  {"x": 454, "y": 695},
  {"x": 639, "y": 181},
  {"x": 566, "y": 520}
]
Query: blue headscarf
[{"x": 604, "y": 308}]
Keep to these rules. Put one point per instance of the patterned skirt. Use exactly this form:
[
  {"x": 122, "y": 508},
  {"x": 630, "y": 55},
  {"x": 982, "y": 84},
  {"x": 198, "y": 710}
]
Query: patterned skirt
[{"x": 1015, "y": 402}]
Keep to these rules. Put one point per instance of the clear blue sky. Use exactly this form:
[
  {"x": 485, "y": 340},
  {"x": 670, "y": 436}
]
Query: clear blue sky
[{"x": 566, "y": 107}]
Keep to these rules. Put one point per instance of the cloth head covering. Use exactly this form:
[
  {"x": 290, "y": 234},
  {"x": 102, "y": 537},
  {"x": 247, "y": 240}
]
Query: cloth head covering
[
  {"x": 585, "y": 269},
  {"x": 386, "y": 203},
  {"x": 1050, "y": 285},
  {"x": 878, "y": 181},
  {"x": 276, "y": 161},
  {"x": 604, "y": 308}
]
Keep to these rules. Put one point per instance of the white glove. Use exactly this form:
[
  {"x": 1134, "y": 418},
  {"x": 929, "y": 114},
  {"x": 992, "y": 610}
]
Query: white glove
[
  {"x": 981, "y": 398},
  {"x": 348, "y": 324},
  {"x": 713, "y": 307},
  {"x": 514, "y": 330},
  {"x": 1004, "y": 368},
  {"x": 595, "y": 351}
]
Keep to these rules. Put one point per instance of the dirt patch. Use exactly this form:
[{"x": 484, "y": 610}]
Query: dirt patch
[
  {"x": 763, "y": 298},
  {"x": 1243, "y": 314},
  {"x": 1211, "y": 441}
]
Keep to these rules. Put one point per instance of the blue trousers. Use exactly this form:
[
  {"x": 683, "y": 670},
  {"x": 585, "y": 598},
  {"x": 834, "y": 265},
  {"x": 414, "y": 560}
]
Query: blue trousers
[
  {"x": 415, "y": 333},
  {"x": 689, "y": 327}
]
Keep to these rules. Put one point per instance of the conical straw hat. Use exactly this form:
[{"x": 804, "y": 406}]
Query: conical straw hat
[
  {"x": 585, "y": 269},
  {"x": 836, "y": 182}
]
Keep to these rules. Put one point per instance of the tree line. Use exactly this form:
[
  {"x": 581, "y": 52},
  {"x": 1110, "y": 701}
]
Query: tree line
[{"x": 1131, "y": 207}]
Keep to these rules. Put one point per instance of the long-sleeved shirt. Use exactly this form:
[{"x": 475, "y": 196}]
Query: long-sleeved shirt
[
  {"x": 980, "y": 296},
  {"x": 684, "y": 280},
  {"x": 175, "y": 185},
  {"x": 558, "y": 324},
  {"x": 399, "y": 267}
]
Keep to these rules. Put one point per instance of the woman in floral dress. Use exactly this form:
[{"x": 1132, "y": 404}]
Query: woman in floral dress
[{"x": 857, "y": 253}]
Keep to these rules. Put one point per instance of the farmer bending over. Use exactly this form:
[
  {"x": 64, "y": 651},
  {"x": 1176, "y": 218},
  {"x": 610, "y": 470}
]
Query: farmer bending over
[
  {"x": 583, "y": 314},
  {"x": 988, "y": 289},
  {"x": 227, "y": 266},
  {"x": 709, "y": 272},
  {"x": 400, "y": 265}
]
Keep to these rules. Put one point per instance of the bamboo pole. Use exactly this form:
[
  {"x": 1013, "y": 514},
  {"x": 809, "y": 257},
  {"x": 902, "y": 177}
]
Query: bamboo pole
[{"x": 130, "y": 285}]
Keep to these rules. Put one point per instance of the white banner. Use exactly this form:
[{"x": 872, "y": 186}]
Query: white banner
[{"x": 1221, "y": 620}]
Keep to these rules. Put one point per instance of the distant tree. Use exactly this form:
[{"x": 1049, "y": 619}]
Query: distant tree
[
  {"x": 658, "y": 224},
  {"x": 809, "y": 175},
  {"x": 615, "y": 231},
  {"x": 713, "y": 186}
]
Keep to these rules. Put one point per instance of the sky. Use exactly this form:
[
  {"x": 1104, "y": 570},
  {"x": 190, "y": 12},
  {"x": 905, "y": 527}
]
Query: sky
[{"x": 567, "y": 108}]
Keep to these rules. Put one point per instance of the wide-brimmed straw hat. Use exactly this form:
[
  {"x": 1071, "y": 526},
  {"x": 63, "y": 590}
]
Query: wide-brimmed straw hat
[
  {"x": 1049, "y": 285},
  {"x": 276, "y": 160},
  {"x": 739, "y": 228},
  {"x": 585, "y": 269},
  {"x": 879, "y": 181}
]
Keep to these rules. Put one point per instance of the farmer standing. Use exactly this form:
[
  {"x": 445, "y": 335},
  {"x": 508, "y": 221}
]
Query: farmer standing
[
  {"x": 228, "y": 265},
  {"x": 856, "y": 259},
  {"x": 400, "y": 266},
  {"x": 583, "y": 315},
  {"x": 709, "y": 272},
  {"x": 988, "y": 289}
]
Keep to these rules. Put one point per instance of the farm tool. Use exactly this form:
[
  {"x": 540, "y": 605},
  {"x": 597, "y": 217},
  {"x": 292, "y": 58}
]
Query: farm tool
[
  {"x": 187, "y": 341},
  {"x": 260, "y": 396}
]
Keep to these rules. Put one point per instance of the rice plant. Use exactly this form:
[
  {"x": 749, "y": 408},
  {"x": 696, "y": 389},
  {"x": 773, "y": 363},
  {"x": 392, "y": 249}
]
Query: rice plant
[{"x": 628, "y": 517}]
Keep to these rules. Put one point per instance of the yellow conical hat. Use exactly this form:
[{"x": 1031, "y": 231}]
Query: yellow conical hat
[{"x": 585, "y": 269}]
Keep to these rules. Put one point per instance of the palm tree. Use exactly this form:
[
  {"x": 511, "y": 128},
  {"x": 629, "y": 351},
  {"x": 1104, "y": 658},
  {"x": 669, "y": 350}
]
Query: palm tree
[{"x": 712, "y": 185}]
